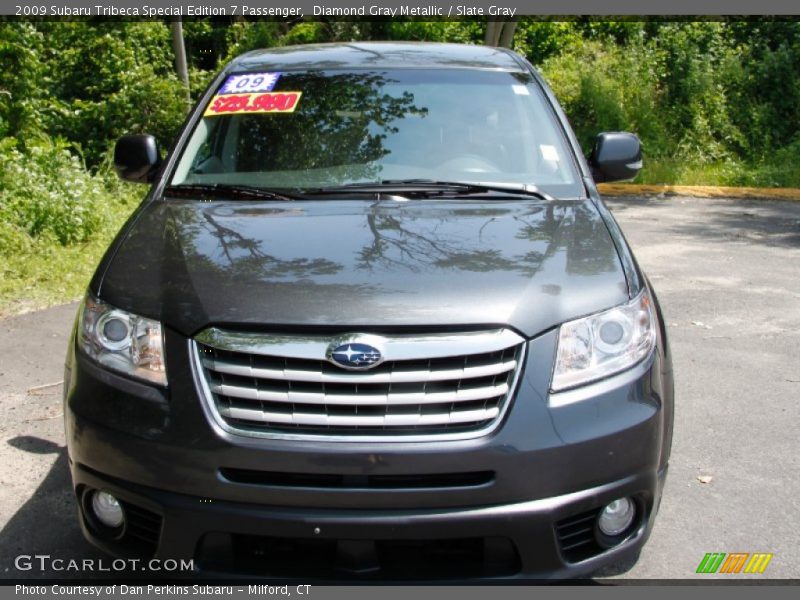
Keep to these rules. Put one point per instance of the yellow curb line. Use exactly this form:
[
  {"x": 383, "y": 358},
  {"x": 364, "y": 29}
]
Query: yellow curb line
[{"x": 699, "y": 191}]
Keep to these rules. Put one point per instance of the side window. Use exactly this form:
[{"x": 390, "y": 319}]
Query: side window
[{"x": 208, "y": 159}]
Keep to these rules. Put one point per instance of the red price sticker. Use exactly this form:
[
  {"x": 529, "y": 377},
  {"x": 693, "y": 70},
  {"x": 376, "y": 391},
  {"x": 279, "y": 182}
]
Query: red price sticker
[{"x": 240, "y": 104}]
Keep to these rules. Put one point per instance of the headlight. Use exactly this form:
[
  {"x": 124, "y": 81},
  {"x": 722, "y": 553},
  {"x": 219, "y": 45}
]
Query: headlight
[
  {"x": 122, "y": 341},
  {"x": 606, "y": 343}
]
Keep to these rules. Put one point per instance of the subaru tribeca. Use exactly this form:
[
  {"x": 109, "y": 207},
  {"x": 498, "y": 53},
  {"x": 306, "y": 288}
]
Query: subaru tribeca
[{"x": 372, "y": 320}]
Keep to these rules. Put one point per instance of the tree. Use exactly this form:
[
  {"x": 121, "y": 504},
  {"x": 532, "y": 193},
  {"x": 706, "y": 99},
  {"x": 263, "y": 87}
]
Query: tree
[
  {"x": 500, "y": 33},
  {"x": 180, "y": 55}
]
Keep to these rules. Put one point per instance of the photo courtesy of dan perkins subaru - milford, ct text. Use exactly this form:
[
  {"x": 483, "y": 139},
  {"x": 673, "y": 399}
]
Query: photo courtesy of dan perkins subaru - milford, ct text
[{"x": 159, "y": 590}]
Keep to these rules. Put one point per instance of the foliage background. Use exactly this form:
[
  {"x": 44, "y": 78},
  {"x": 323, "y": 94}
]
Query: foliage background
[{"x": 714, "y": 102}]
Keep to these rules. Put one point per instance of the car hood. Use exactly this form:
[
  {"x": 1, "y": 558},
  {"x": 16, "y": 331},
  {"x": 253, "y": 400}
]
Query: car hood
[{"x": 365, "y": 265}]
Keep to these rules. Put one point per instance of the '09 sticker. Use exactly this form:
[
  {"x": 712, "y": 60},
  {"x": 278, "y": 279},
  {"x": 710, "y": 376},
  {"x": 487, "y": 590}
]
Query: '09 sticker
[
  {"x": 249, "y": 83},
  {"x": 237, "y": 104}
]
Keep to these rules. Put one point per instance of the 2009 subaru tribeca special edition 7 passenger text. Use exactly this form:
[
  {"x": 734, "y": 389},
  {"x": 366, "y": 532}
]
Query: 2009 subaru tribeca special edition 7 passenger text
[{"x": 372, "y": 320}]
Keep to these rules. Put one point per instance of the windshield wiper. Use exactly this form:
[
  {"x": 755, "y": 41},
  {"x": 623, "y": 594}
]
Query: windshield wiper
[
  {"x": 430, "y": 187},
  {"x": 226, "y": 191},
  {"x": 520, "y": 189}
]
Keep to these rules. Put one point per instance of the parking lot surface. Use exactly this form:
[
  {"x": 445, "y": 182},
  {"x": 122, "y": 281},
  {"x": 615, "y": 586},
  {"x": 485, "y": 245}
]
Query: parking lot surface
[{"x": 727, "y": 273}]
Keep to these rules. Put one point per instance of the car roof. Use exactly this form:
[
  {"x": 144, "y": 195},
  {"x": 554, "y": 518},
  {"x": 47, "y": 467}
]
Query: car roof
[{"x": 381, "y": 55}]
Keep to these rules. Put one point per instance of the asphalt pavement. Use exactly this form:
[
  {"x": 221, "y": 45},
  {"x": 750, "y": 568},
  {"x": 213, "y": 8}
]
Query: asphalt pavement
[{"x": 727, "y": 273}]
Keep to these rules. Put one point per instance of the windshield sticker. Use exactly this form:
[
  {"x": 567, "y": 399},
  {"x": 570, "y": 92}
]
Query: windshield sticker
[
  {"x": 549, "y": 152},
  {"x": 239, "y": 104},
  {"x": 521, "y": 90},
  {"x": 250, "y": 82}
]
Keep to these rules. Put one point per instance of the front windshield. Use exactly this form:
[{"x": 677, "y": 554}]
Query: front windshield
[{"x": 306, "y": 129}]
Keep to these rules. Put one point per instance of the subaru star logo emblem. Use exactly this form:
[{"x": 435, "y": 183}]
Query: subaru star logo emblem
[{"x": 355, "y": 356}]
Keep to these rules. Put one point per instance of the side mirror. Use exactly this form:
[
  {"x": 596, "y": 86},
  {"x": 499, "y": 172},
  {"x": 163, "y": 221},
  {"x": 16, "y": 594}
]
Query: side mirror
[
  {"x": 615, "y": 156},
  {"x": 136, "y": 158}
]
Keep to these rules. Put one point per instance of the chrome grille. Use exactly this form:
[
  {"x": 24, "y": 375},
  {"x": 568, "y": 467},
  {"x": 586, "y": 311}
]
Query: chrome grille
[{"x": 441, "y": 385}]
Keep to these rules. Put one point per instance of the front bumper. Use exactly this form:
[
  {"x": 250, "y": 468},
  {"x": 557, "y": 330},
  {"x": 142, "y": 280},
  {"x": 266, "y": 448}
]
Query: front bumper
[
  {"x": 212, "y": 533},
  {"x": 555, "y": 459}
]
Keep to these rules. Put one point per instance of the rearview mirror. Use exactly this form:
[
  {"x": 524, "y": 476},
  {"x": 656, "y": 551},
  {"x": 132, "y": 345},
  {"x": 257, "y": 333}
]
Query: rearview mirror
[
  {"x": 136, "y": 158},
  {"x": 615, "y": 156}
]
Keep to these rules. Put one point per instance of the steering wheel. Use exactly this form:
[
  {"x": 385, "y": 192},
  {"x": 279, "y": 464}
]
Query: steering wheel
[{"x": 470, "y": 163}]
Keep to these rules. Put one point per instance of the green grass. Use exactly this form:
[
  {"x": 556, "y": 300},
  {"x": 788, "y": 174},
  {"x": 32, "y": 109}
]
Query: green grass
[
  {"x": 733, "y": 174},
  {"x": 45, "y": 273},
  {"x": 681, "y": 172},
  {"x": 56, "y": 220}
]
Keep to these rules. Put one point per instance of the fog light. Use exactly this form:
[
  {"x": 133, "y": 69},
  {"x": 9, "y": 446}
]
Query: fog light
[
  {"x": 616, "y": 517},
  {"x": 107, "y": 509}
]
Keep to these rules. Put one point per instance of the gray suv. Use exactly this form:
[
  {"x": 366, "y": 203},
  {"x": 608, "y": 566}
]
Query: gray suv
[{"x": 372, "y": 320}]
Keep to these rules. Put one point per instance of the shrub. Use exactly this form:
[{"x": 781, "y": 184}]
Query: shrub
[
  {"x": 539, "y": 40},
  {"x": 111, "y": 78},
  {"x": 47, "y": 193},
  {"x": 606, "y": 88},
  {"x": 22, "y": 79}
]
